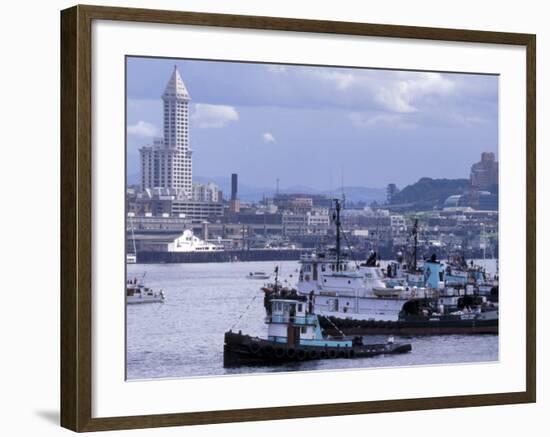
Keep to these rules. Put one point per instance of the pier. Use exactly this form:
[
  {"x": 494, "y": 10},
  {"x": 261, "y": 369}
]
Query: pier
[{"x": 220, "y": 256}]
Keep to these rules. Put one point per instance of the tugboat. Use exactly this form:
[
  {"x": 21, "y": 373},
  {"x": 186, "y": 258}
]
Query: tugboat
[
  {"x": 136, "y": 292},
  {"x": 442, "y": 310},
  {"x": 294, "y": 335}
]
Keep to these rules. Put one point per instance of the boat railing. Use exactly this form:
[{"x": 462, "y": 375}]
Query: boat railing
[
  {"x": 323, "y": 258},
  {"x": 310, "y": 319}
]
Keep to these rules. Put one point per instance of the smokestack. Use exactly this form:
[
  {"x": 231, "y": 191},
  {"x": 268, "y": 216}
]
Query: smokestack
[
  {"x": 234, "y": 204},
  {"x": 234, "y": 185}
]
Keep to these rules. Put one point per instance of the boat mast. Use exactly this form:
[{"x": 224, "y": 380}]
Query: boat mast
[
  {"x": 337, "y": 222},
  {"x": 415, "y": 235},
  {"x": 276, "y": 286},
  {"x": 133, "y": 236}
]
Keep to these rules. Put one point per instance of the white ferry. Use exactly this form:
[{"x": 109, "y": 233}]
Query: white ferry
[{"x": 187, "y": 242}]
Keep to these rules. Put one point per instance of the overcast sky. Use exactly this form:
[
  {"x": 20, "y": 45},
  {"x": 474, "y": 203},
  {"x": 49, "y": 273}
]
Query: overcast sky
[{"x": 308, "y": 125}]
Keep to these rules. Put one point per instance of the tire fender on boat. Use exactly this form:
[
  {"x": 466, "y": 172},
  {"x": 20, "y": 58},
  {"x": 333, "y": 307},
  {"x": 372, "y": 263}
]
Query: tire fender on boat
[
  {"x": 313, "y": 354},
  {"x": 254, "y": 348},
  {"x": 267, "y": 351}
]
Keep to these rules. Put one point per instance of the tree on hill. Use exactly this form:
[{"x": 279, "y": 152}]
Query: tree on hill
[{"x": 428, "y": 190}]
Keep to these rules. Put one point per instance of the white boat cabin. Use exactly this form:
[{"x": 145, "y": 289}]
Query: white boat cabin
[
  {"x": 290, "y": 322},
  {"x": 325, "y": 274},
  {"x": 287, "y": 316}
]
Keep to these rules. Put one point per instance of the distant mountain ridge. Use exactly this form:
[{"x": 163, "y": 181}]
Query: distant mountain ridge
[{"x": 426, "y": 191}]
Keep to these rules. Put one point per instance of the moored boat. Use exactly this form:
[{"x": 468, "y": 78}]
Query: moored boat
[
  {"x": 417, "y": 322},
  {"x": 360, "y": 299}
]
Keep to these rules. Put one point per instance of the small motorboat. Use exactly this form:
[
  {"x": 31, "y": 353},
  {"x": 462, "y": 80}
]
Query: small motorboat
[
  {"x": 137, "y": 292},
  {"x": 258, "y": 275}
]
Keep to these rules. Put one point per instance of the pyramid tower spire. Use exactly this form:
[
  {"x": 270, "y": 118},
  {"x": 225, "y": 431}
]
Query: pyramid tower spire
[{"x": 175, "y": 88}]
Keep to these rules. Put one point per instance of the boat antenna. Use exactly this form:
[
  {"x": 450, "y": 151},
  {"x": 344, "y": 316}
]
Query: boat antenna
[
  {"x": 342, "y": 183},
  {"x": 350, "y": 251}
]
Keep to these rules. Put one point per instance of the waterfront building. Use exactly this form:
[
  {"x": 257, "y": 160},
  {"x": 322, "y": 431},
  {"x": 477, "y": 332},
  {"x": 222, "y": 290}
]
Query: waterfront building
[
  {"x": 294, "y": 224},
  {"x": 479, "y": 200},
  {"x": 295, "y": 204},
  {"x": 209, "y": 192},
  {"x": 484, "y": 174},
  {"x": 197, "y": 210},
  {"x": 167, "y": 162},
  {"x": 398, "y": 224},
  {"x": 155, "y": 201},
  {"x": 317, "y": 223},
  {"x": 301, "y": 203},
  {"x": 148, "y": 222},
  {"x": 255, "y": 219}
]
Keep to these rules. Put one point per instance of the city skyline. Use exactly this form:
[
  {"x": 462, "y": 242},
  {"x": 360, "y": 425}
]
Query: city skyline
[{"x": 318, "y": 127}]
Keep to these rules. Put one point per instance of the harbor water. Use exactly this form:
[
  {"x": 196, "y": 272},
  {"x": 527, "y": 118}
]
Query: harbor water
[{"x": 183, "y": 337}]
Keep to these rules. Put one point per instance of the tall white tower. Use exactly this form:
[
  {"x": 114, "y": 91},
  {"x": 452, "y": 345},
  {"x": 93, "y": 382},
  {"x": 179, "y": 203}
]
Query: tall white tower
[
  {"x": 176, "y": 131},
  {"x": 167, "y": 163}
]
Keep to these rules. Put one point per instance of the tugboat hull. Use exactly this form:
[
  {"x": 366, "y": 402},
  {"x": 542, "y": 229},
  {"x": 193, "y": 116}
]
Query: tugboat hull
[
  {"x": 413, "y": 326},
  {"x": 244, "y": 350}
]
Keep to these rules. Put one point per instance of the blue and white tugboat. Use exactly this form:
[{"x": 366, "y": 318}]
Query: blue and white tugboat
[{"x": 294, "y": 334}]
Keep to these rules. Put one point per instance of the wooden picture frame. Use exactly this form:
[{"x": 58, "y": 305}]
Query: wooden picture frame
[{"x": 76, "y": 217}]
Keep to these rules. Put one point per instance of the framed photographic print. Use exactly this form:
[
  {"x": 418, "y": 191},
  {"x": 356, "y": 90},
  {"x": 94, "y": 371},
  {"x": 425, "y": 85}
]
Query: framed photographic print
[{"x": 304, "y": 218}]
